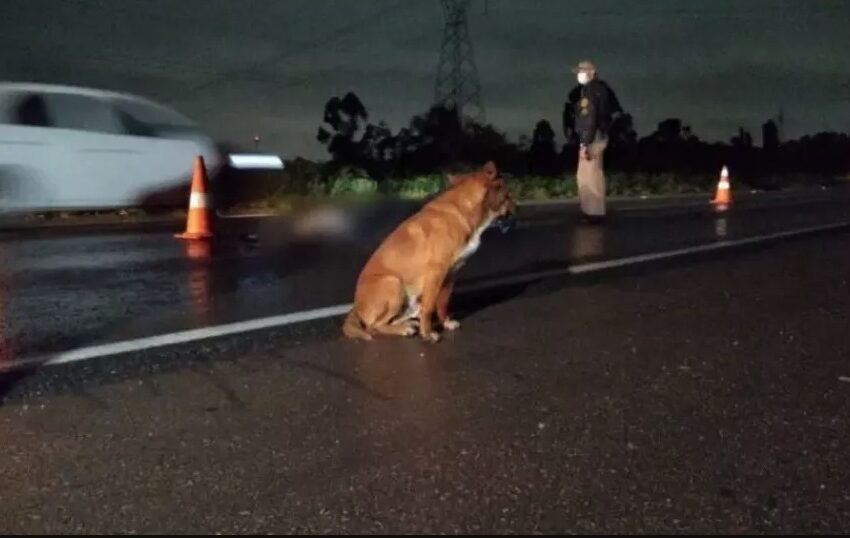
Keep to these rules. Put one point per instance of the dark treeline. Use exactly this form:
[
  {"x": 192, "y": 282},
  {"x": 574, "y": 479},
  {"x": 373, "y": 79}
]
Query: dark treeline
[{"x": 437, "y": 140}]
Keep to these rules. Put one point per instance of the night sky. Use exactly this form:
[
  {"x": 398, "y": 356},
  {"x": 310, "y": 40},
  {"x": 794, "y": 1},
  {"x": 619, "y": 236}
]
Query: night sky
[{"x": 265, "y": 66}]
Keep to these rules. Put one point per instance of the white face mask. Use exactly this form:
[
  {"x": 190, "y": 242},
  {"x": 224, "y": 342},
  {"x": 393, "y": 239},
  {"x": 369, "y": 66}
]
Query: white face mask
[{"x": 583, "y": 78}]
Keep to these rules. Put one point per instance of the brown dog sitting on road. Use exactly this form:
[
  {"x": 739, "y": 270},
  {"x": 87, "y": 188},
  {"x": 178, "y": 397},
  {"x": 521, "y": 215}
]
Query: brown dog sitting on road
[{"x": 411, "y": 275}]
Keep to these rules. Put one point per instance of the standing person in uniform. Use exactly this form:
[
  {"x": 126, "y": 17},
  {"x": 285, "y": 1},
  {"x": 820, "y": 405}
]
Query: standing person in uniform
[{"x": 593, "y": 105}]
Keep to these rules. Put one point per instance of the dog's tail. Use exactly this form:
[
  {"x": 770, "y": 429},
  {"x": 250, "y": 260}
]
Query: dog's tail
[{"x": 352, "y": 328}]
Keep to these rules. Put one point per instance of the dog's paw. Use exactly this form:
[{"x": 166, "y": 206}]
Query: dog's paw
[
  {"x": 451, "y": 325},
  {"x": 431, "y": 337},
  {"x": 410, "y": 330}
]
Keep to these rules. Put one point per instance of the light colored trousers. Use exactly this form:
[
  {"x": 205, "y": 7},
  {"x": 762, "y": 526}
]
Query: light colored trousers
[{"x": 590, "y": 177}]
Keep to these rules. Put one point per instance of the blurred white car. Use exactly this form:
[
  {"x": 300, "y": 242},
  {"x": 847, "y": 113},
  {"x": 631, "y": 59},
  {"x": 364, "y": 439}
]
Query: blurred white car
[{"x": 65, "y": 147}]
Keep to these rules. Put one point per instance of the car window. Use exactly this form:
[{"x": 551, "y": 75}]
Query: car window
[
  {"x": 31, "y": 110},
  {"x": 82, "y": 113},
  {"x": 147, "y": 119},
  {"x": 133, "y": 126}
]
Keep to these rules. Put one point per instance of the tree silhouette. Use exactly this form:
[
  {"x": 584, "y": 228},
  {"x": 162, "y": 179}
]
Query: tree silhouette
[
  {"x": 568, "y": 117},
  {"x": 436, "y": 140},
  {"x": 742, "y": 140},
  {"x": 484, "y": 142},
  {"x": 432, "y": 140},
  {"x": 770, "y": 136},
  {"x": 670, "y": 132},
  {"x": 622, "y": 131},
  {"x": 542, "y": 158},
  {"x": 378, "y": 149},
  {"x": 345, "y": 117}
]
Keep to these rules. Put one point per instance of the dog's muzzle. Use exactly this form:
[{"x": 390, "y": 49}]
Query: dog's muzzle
[{"x": 506, "y": 223}]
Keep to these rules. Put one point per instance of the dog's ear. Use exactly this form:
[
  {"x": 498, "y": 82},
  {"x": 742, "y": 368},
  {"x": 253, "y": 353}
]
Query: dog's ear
[
  {"x": 490, "y": 170},
  {"x": 496, "y": 195}
]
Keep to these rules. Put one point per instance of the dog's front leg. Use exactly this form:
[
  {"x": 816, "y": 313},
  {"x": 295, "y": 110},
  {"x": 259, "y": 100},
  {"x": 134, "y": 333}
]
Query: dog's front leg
[
  {"x": 443, "y": 299},
  {"x": 431, "y": 287}
]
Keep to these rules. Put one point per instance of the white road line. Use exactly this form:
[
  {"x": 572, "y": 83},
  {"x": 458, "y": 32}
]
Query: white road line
[
  {"x": 644, "y": 258},
  {"x": 193, "y": 335},
  {"x": 181, "y": 337}
]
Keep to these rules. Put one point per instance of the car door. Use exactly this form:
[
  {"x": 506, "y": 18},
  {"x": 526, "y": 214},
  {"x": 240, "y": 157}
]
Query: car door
[
  {"x": 171, "y": 143},
  {"x": 104, "y": 163},
  {"x": 31, "y": 158}
]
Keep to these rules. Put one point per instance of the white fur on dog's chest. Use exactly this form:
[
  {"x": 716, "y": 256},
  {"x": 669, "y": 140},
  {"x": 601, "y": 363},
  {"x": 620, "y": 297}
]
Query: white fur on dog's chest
[
  {"x": 471, "y": 246},
  {"x": 469, "y": 249}
]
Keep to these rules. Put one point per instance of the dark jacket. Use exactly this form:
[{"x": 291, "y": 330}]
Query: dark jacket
[{"x": 593, "y": 106}]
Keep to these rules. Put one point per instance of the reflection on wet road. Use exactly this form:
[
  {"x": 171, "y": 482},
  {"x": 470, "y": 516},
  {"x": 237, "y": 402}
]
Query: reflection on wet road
[{"x": 63, "y": 293}]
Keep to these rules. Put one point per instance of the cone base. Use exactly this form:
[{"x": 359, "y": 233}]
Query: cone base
[{"x": 194, "y": 235}]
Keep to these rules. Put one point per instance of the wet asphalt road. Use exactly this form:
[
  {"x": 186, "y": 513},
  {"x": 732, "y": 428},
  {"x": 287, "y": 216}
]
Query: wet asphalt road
[
  {"x": 65, "y": 292},
  {"x": 700, "y": 397},
  {"x": 708, "y": 394}
]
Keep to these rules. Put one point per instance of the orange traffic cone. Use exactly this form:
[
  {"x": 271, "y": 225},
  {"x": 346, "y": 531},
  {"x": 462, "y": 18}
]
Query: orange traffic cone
[
  {"x": 199, "y": 220},
  {"x": 723, "y": 197}
]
